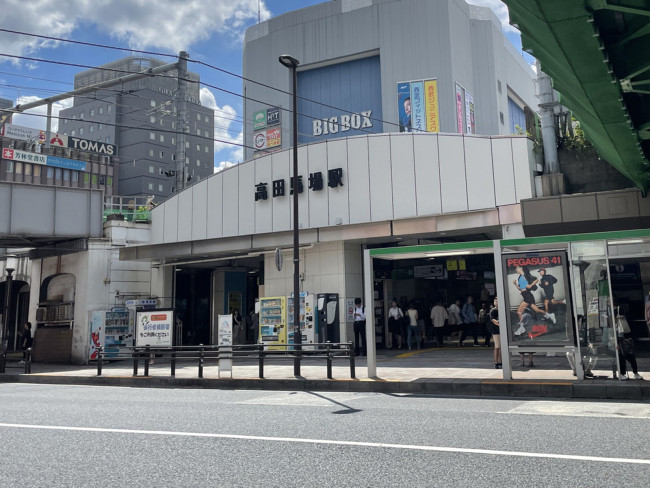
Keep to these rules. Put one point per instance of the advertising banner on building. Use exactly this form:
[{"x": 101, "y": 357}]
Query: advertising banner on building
[
  {"x": 418, "y": 117},
  {"x": 154, "y": 328},
  {"x": 537, "y": 306},
  {"x": 34, "y": 135},
  {"x": 468, "y": 118},
  {"x": 268, "y": 139},
  {"x": 91, "y": 146},
  {"x": 459, "y": 107},
  {"x": 472, "y": 119},
  {"x": 272, "y": 116},
  {"x": 431, "y": 97},
  {"x": 404, "y": 106},
  {"x": 259, "y": 120}
]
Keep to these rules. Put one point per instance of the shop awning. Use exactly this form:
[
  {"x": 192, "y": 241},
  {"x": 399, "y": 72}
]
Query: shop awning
[{"x": 597, "y": 53}]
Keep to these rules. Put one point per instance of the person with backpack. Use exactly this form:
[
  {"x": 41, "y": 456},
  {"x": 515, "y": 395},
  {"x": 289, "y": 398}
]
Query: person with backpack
[{"x": 360, "y": 345}]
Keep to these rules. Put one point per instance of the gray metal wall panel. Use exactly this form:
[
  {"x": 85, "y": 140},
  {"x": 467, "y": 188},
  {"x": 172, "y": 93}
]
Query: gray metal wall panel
[
  {"x": 199, "y": 210},
  {"x": 358, "y": 180},
  {"x": 264, "y": 208},
  {"x": 230, "y": 207},
  {"x": 339, "y": 206},
  {"x": 403, "y": 170},
  {"x": 170, "y": 232},
  {"x": 215, "y": 206},
  {"x": 96, "y": 214},
  {"x": 452, "y": 173},
  {"x": 523, "y": 159},
  {"x": 246, "y": 199},
  {"x": 5, "y": 208},
  {"x": 185, "y": 215},
  {"x": 33, "y": 210},
  {"x": 427, "y": 174},
  {"x": 504, "y": 174},
  {"x": 480, "y": 174},
  {"x": 71, "y": 213},
  {"x": 381, "y": 184},
  {"x": 281, "y": 205},
  {"x": 158, "y": 224}
]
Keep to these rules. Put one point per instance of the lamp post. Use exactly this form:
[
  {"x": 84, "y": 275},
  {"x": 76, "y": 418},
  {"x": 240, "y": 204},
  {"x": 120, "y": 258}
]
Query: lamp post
[
  {"x": 5, "y": 315},
  {"x": 292, "y": 63}
]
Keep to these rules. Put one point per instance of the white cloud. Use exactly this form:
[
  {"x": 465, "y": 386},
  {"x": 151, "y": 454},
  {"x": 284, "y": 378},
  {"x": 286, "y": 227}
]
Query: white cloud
[
  {"x": 39, "y": 120},
  {"x": 500, "y": 9},
  {"x": 165, "y": 24},
  {"x": 223, "y": 165},
  {"x": 224, "y": 119}
]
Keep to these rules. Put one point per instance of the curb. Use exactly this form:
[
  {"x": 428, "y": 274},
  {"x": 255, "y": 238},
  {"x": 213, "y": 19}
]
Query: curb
[{"x": 595, "y": 390}]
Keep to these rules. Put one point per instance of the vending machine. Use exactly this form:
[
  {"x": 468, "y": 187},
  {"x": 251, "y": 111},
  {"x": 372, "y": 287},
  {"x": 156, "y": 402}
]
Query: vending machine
[
  {"x": 308, "y": 323},
  {"x": 273, "y": 325},
  {"x": 328, "y": 317},
  {"x": 112, "y": 330}
]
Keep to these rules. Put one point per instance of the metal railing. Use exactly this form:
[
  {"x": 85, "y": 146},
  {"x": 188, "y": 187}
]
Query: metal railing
[
  {"x": 203, "y": 354},
  {"x": 133, "y": 209}
]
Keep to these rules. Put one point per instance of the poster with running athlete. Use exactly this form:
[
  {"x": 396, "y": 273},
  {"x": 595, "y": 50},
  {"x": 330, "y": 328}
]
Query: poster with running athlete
[{"x": 538, "y": 299}]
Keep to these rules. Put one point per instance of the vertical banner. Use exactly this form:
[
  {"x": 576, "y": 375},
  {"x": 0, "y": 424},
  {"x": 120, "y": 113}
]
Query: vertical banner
[
  {"x": 418, "y": 117},
  {"x": 404, "y": 106},
  {"x": 459, "y": 107},
  {"x": 431, "y": 96},
  {"x": 472, "y": 119},
  {"x": 468, "y": 120},
  {"x": 537, "y": 306},
  {"x": 224, "y": 339}
]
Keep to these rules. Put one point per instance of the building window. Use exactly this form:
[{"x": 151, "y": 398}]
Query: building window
[
  {"x": 151, "y": 169},
  {"x": 153, "y": 103},
  {"x": 150, "y": 186},
  {"x": 198, "y": 117},
  {"x": 28, "y": 169},
  {"x": 101, "y": 110},
  {"x": 81, "y": 131},
  {"x": 37, "y": 171},
  {"x": 57, "y": 174},
  {"x": 99, "y": 126},
  {"x": 162, "y": 154},
  {"x": 50, "y": 173},
  {"x": 207, "y": 149},
  {"x": 74, "y": 117},
  {"x": 86, "y": 178},
  {"x": 19, "y": 168},
  {"x": 65, "y": 121},
  {"x": 198, "y": 147},
  {"x": 187, "y": 144},
  {"x": 207, "y": 134},
  {"x": 151, "y": 152},
  {"x": 109, "y": 181},
  {"x": 162, "y": 122},
  {"x": 173, "y": 141},
  {"x": 66, "y": 175},
  {"x": 108, "y": 139},
  {"x": 152, "y": 136},
  {"x": 160, "y": 188},
  {"x": 81, "y": 115},
  {"x": 162, "y": 138},
  {"x": 198, "y": 132},
  {"x": 91, "y": 128},
  {"x": 75, "y": 176},
  {"x": 92, "y": 112},
  {"x": 108, "y": 109},
  {"x": 93, "y": 179},
  {"x": 173, "y": 157},
  {"x": 207, "y": 120},
  {"x": 73, "y": 133},
  {"x": 173, "y": 124},
  {"x": 152, "y": 119}
]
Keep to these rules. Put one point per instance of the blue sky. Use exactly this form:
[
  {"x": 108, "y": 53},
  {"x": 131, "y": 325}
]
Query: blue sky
[{"x": 210, "y": 30}]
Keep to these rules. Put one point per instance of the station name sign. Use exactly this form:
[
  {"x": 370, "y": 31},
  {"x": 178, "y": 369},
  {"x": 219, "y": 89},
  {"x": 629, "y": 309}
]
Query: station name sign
[{"x": 343, "y": 123}]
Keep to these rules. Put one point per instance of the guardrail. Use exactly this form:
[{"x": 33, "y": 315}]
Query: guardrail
[{"x": 202, "y": 354}]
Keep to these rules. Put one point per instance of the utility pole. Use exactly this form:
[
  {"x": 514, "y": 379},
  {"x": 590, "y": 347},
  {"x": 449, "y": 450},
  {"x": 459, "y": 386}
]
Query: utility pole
[
  {"x": 181, "y": 121},
  {"x": 547, "y": 106}
]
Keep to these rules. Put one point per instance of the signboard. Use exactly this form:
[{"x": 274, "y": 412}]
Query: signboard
[
  {"x": 417, "y": 106},
  {"x": 259, "y": 120},
  {"x": 91, "y": 146},
  {"x": 349, "y": 309},
  {"x": 468, "y": 119},
  {"x": 224, "y": 331},
  {"x": 537, "y": 306},
  {"x": 430, "y": 271},
  {"x": 35, "y": 158},
  {"x": 96, "y": 333},
  {"x": 268, "y": 139},
  {"x": 35, "y": 135},
  {"x": 272, "y": 116},
  {"x": 459, "y": 107},
  {"x": 154, "y": 328}
]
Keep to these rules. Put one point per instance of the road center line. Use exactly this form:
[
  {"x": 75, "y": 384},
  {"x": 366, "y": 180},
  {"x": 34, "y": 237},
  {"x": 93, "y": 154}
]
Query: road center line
[{"x": 332, "y": 442}]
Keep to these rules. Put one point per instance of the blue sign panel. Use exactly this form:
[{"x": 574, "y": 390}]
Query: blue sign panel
[
  {"x": 340, "y": 100},
  {"x": 66, "y": 163}
]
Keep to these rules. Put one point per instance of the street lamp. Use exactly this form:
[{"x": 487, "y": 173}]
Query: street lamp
[
  {"x": 292, "y": 63},
  {"x": 9, "y": 268}
]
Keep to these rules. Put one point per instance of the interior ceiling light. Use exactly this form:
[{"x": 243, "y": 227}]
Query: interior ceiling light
[{"x": 448, "y": 253}]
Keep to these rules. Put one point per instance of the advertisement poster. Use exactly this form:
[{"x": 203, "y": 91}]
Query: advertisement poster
[
  {"x": 472, "y": 119},
  {"x": 469, "y": 103},
  {"x": 459, "y": 107},
  {"x": 272, "y": 116},
  {"x": 96, "y": 333},
  {"x": 154, "y": 328},
  {"x": 537, "y": 299},
  {"x": 273, "y": 138},
  {"x": 418, "y": 111},
  {"x": 259, "y": 120},
  {"x": 404, "y": 106},
  {"x": 431, "y": 96},
  {"x": 224, "y": 331}
]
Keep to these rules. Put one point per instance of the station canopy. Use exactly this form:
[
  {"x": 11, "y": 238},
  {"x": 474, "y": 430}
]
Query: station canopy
[{"x": 598, "y": 54}]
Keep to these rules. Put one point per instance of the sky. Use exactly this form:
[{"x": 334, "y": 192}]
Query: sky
[{"x": 211, "y": 31}]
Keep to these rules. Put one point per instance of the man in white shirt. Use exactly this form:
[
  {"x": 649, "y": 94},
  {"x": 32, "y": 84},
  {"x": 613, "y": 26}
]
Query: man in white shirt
[
  {"x": 439, "y": 317},
  {"x": 360, "y": 345}
]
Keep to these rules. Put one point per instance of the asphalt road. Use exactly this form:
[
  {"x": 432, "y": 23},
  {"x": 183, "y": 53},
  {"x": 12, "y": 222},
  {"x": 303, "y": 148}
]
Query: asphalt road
[{"x": 69, "y": 436}]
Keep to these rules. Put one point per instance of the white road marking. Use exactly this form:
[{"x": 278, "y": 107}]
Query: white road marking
[
  {"x": 583, "y": 409},
  {"x": 383, "y": 445},
  {"x": 304, "y": 399}
]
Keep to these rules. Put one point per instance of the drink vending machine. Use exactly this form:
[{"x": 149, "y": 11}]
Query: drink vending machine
[
  {"x": 308, "y": 323},
  {"x": 273, "y": 325},
  {"x": 328, "y": 317}
]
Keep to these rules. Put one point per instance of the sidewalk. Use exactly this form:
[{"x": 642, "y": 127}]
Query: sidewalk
[{"x": 464, "y": 371}]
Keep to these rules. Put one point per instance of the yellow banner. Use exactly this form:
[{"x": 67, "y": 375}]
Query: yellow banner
[{"x": 431, "y": 97}]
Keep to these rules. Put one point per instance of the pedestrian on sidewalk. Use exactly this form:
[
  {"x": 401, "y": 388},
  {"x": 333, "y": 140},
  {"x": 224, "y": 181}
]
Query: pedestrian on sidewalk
[
  {"x": 360, "y": 346},
  {"x": 26, "y": 340},
  {"x": 493, "y": 326},
  {"x": 439, "y": 318},
  {"x": 395, "y": 317},
  {"x": 469, "y": 321},
  {"x": 484, "y": 322},
  {"x": 455, "y": 321},
  {"x": 412, "y": 315}
]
